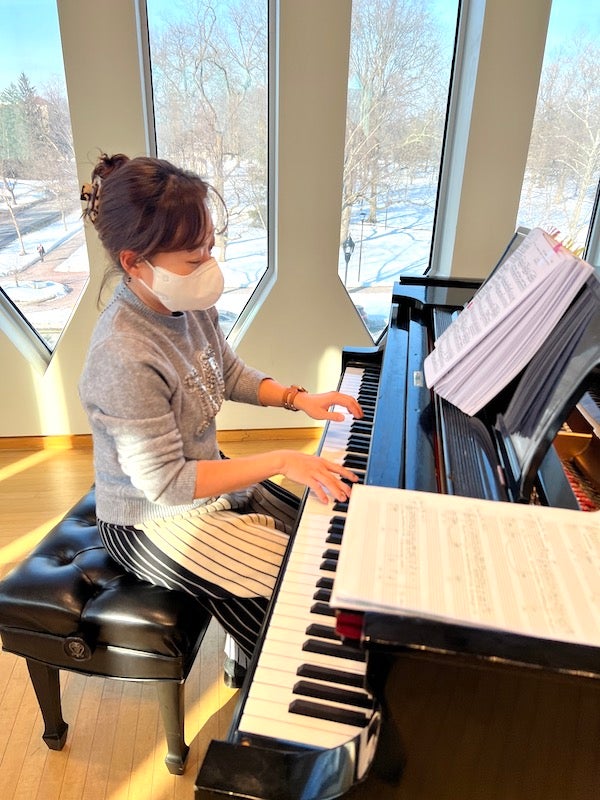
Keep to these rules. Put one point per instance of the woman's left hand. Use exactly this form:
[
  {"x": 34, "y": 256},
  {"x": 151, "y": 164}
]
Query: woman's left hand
[{"x": 319, "y": 406}]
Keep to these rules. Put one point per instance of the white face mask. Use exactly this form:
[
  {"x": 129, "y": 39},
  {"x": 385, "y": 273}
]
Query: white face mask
[{"x": 194, "y": 292}]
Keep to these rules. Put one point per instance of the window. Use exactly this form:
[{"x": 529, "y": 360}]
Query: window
[
  {"x": 563, "y": 165},
  {"x": 43, "y": 259},
  {"x": 209, "y": 65},
  {"x": 401, "y": 56}
]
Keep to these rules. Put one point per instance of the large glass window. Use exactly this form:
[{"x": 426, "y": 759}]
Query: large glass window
[
  {"x": 209, "y": 64},
  {"x": 43, "y": 259},
  {"x": 563, "y": 166},
  {"x": 401, "y": 57}
]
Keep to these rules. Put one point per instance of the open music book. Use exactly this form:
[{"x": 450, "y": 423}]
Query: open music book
[
  {"x": 506, "y": 322},
  {"x": 522, "y": 569}
]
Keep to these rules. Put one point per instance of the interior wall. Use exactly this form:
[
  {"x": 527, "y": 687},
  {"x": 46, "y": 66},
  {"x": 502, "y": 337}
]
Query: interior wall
[
  {"x": 508, "y": 73},
  {"x": 306, "y": 318}
]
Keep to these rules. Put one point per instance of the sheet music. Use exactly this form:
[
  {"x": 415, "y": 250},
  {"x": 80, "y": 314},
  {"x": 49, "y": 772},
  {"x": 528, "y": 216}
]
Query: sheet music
[
  {"x": 505, "y": 323},
  {"x": 531, "y": 570}
]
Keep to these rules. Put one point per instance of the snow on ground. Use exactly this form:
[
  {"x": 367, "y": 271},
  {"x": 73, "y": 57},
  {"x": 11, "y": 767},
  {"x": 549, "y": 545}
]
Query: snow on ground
[{"x": 397, "y": 243}]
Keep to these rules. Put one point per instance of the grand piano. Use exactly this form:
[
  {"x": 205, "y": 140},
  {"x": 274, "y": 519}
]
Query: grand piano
[{"x": 313, "y": 717}]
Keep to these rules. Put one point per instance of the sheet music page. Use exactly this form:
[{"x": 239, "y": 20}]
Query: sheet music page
[
  {"x": 523, "y": 272},
  {"x": 532, "y": 570}
]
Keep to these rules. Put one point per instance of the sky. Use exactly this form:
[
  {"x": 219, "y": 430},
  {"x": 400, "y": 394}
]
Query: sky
[{"x": 36, "y": 22}]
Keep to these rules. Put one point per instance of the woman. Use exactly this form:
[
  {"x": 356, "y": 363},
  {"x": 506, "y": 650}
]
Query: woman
[{"x": 170, "y": 508}]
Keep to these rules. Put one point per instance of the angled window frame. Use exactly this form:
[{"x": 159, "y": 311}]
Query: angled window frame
[{"x": 23, "y": 335}]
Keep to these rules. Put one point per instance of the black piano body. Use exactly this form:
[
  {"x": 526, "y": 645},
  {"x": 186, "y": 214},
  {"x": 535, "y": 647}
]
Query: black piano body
[{"x": 416, "y": 441}]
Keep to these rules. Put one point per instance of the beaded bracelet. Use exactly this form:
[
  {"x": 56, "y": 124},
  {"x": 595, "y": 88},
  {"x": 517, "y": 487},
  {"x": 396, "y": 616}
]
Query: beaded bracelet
[{"x": 290, "y": 395}]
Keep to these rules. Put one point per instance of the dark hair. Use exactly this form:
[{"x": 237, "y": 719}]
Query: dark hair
[{"x": 147, "y": 205}]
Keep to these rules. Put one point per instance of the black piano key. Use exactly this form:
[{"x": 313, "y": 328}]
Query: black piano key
[
  {"x": 359, "y": 446},
  {"x": 357, "y": 439},
  {"x": 336, "y": 528},
  {"x": 361, "y": 432},
  {"x": 333, "y": 538},
  {"x": 358, "y": 435},
  {"x": 324, "y": 583},
  {"x": 331, "y": 555},
  {"x": 322, "y": 595},
  {"x": 331, "y": 713},
  {"x": 362, "y": 426},
  {"x": 322, "y": 608},
  {"x": 323, "y": 631},
  {"x": 333, "y": 694},
  {"x": 328, "y": 565},
  {"x": 355, "y": 461},
  {"x": 367, "y": 417},
  {"x": 337, "y": 506},
  {"x": 329, "y": 648},
  {"x": 319, "y": 673}
]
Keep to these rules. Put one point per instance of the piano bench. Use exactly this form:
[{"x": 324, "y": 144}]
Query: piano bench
[{"x": 69, "y": 606}]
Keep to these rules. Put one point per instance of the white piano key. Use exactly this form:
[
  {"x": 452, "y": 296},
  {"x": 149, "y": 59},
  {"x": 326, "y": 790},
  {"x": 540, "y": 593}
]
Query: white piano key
[
  {"x": 275, "y": 676},
  {"x": 277, "y": 655},
  {"x": 278, "y": 724},
  {"x": 280, "y": 696}
]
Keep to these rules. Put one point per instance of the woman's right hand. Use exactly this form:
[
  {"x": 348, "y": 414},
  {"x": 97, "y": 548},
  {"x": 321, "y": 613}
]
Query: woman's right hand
[{"x": 326, "y": 478}]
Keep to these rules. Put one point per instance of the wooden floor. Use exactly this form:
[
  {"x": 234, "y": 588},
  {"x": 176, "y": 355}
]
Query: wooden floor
[{"x": 468, "y": 733}]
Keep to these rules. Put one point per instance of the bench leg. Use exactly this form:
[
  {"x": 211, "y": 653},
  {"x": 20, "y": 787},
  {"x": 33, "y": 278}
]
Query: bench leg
[
  {"x": 46, "y": 684},
  {"x": 172, "y": 707}
]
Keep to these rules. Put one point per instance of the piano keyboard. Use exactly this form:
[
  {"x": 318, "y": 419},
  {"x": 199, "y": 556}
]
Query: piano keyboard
[{"x": 308, "y": 688}]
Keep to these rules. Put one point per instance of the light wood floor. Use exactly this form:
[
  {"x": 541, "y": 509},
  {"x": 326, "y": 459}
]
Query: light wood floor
[{"x": 468, "y": 733}]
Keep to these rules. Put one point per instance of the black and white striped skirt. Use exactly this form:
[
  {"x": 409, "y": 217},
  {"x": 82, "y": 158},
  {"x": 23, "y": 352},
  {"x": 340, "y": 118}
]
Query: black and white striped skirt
[{"x": 227, "y": 553}]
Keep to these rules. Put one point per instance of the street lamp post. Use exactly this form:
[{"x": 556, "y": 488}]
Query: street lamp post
[
  {"x": 348, "y": 247},
  {"x": 363, "y": 214}
]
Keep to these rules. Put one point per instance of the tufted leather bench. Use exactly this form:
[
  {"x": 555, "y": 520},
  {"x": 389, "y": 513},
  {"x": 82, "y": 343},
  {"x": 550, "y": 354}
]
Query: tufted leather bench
[{"x": 69, "y": 606}]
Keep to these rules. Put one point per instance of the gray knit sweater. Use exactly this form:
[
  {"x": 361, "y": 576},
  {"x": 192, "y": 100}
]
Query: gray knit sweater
[{"x": 151, "y": 386}]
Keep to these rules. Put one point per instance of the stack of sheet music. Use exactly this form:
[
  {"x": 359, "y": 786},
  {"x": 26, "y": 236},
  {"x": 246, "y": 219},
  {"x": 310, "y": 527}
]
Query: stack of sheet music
[{"x": 508, "y": 320}]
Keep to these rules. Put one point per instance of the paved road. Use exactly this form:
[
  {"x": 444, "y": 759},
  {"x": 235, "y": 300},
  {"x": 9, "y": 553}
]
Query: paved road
[{"x": 29, "y": 218}]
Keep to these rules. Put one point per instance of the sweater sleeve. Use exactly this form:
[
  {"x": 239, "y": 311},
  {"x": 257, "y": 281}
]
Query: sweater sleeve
[{"x": 241, "y": 380}]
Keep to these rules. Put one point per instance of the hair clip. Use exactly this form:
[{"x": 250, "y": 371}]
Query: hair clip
[{"x": 90, "y": 194}]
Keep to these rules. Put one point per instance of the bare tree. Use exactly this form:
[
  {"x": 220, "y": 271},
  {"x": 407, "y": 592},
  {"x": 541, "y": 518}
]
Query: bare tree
[
  {"x": 395, "y": 101},
  {"x": 563, "y": 168},
  {"x": 7, "y": 197},
  {"x": 210, "y": 95}
]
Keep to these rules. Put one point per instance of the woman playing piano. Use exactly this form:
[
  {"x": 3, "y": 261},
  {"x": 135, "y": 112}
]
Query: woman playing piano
[{"x": 170, "y": 508}]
